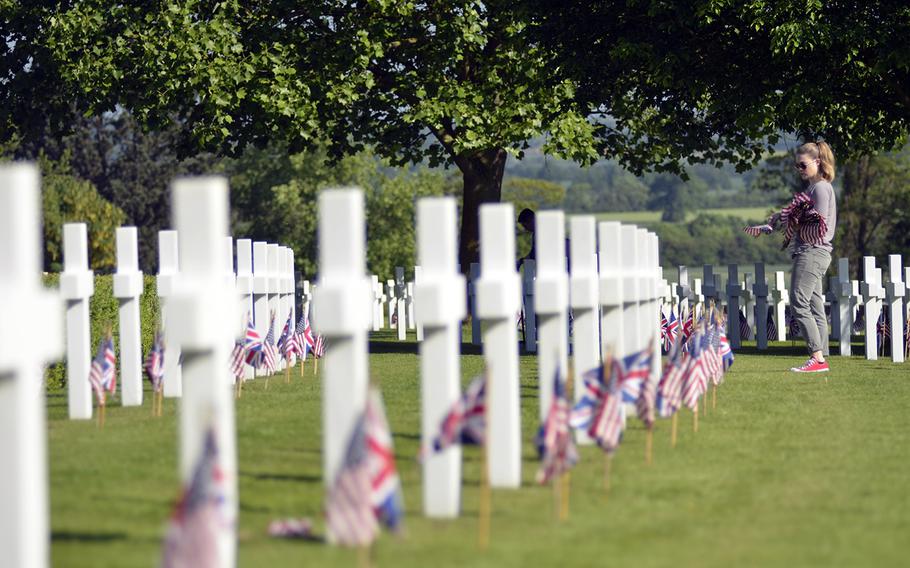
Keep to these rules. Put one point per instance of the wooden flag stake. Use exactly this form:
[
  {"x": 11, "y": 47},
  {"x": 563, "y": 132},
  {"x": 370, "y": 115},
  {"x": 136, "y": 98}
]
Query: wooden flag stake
[
  {"x": 483, "y": 523},
  {"x": 608, "y": 459},
  {"x": 287, "y": 370},
  {"x": 714, "y": 398},
  {"x": 160, "y": 400},
  {"x": 673, "y": 423},
  {"x": 704, "y": 402},
  {"x": 564, "y": 504},
  {"x": 695, "y": 419},
  {"x": 649, "y": 443},
  {"x": 315, "y": 365},
  {"x": 101, "y": 417},
  {"x": 302, "y": 366}
]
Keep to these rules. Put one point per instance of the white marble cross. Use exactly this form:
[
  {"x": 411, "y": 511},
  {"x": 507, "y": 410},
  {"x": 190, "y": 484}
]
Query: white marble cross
[
  {"x": 697, "y": 298},
  {"x": 781, "y": 298},
  {"x": 440, "y": 299},
  {"x": 203, "y": 319},
  {"x": 168, "y": 267},
  {"x": 393, "y": 302},
  {"x": 584, "y": 299},
  {"x": 77, "y": 284},
  {"x": 896, "y": 290},
  {"x": 846, "y": 305},
  {"x": 551, "y": 303},
  {"x": 274, "y": 278},
  {"x": 610, "y": 293},
  {"x": 707, "y": 286},
  {"x": 401, "y": 303},
  {"x": 245, "y": 292},
  {"x": 498, "y": 302},
  {"x": 341, "y": 311},
  {"x": 748, "y": 300},
  {"x": 873, "y": 294},
  {"x": 261, "y": 291},
  {"x": 377, "y": 302},
  {"x": 683, "y": 291},
  {"x": 631, "y": 291},
  {"x": 652, "y": 244},
  {"x": 128, "y": 286},
  {"x": 29, "y": 310}
]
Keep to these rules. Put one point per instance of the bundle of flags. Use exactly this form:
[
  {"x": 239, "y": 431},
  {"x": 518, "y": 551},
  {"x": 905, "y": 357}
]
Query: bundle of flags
[
  {"x": 366, "y": 490},
  {"x": 198, "y": 518},
  {"x": 799, "y": 217},
  {"x": 555, "y": 445},
  {"x": 154, "y": 363},
  {"x": 465, "y": 423},
  {"x": 103, "y": 372},
  {"x": 269, "y": 353},
  {"x": 599, "y": 411},
  {"x": 669, "y": 387}
]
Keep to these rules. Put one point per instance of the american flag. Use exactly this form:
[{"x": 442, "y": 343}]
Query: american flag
[
  {"x": 284, "y": 347},
  {"x": 319, "y": 346},
  {"x": 385, "y": 483},
  {"x": 466, "y": 421},
  {"x": 882, "y": 329},
  {"x": 607, "y": 422},
  {"x": 669, "y": 388},
  {"x": 252, "y": 343},
  {"x": 859, "y": 322},
  {"x": 695, "y": 378},
  {"x": 238, "y": 361},
  {"x": 756, "y": 230},
  {"x": 269, "y": 359},
  {"x": 103, "y": 372},
  {"x": 350, "y": 516},
  {"x": 298, "y": 344},
  {"x": 771, "y": 325},
  {"x": 555, "y": 445},
  {"x": 801, "y": 217},
  {"x": 714, "y": 367},
  {"x": 647, "y": 399},
  {"x": 198, "y": 518},
  {"x": 154, "y": 363},
  {"x": 745, "y": 332}
]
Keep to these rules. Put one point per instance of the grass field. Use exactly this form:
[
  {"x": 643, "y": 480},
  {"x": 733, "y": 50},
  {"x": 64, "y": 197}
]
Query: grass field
[
  {"x": 786, "y": 471},
  {"x": 650, "y": 217}
]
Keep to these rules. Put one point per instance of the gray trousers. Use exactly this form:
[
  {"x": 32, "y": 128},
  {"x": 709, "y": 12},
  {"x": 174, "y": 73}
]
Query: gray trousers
[{"x": 806, "y": 297}]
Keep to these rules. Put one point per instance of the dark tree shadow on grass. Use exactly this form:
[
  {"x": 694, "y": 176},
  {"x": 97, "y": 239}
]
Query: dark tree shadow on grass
[
  {"x": 73, "y": 536},
  {"x": 296, "y": 478}
]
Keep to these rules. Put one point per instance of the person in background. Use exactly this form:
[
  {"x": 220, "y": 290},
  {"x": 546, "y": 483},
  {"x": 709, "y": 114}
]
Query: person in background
[
  {"x": 527, "y": 220},
  {"x": 810, "y": 221}
]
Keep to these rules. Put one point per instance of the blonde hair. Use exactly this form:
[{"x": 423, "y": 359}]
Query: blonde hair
[{"x": 822, "y": 152}]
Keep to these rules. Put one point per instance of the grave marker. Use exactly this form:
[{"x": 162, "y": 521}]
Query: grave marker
[
  {"x": 551, "y": 303},
  {"x": 128, "y": 286},
  {"x": 781, "y": 298},
  {"x": 498, "y": 302},
  {"x": 261, "y": 291},
  {"x": 873, "y": 294},
  {"x": 28, "y": 310},
  {"x": 341, "y": 313},
  {"x": 846, "y": 305},
  {"x": 77, "y": 285},
  {"x": 418, "y": 323},
  {"x": 472, "y": 303},
  {"x": 896, "y": 290},
  {"x": 203, "y": 320},
  {"x": 683, "y": 291},
  {"x": 401, "y": 305},
  {"x": 584, "y": 299},
  {"x": 168, "y": 267},
  {"x": 631, "y": 291},
  {"x": 244, "y": 287},
  {"x": 440, "y": 298},
  {"x": 733, "y": 291}
]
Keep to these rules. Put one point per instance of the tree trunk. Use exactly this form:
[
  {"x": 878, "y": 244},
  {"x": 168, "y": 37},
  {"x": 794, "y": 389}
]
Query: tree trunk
[{"x": 482, "y": 175}]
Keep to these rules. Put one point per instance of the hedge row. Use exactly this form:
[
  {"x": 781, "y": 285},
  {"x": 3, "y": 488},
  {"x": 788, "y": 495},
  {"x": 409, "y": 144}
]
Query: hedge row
[{"x": 104, "y": 309}]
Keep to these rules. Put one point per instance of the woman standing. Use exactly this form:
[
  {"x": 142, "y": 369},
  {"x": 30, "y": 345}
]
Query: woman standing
[{"x": 810, "y": 221}]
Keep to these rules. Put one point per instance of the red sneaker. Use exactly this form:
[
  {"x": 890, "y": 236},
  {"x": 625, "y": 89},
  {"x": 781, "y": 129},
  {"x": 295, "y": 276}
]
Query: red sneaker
[{"x": 812, "y": 366}]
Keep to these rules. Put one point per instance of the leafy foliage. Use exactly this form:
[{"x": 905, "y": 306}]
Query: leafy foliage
[{"x": 68, "y": 199}]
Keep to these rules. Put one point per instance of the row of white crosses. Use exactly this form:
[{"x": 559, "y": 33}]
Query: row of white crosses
[
  {"x": 266, "y": 287},
  {"x": 202, "y": 306}
]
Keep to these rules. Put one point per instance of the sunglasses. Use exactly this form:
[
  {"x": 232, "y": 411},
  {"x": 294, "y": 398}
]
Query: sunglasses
[{"x": 801, "y": 166}]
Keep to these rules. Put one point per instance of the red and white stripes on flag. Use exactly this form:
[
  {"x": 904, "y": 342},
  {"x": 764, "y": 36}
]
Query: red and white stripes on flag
[
  {"x": 319, "y": 346},
  {"x": 103, "y": 372},
  {"x": 349, "y": 509},
  {"x": 555, "y": 444},
  {"x": 238, "y": 361},
  {"x": 198, "y": 520},
  {"x": 154, "y": 363}
]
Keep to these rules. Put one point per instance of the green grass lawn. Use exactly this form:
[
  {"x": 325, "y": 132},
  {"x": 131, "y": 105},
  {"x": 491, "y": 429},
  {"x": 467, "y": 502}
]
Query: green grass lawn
[
  {"x": 787, "y": 471},
  {"x": 652, "y": 217}
]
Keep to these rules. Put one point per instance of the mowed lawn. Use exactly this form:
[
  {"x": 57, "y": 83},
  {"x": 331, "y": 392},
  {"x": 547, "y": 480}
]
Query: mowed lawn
[{"x": 786, "y": 471}]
